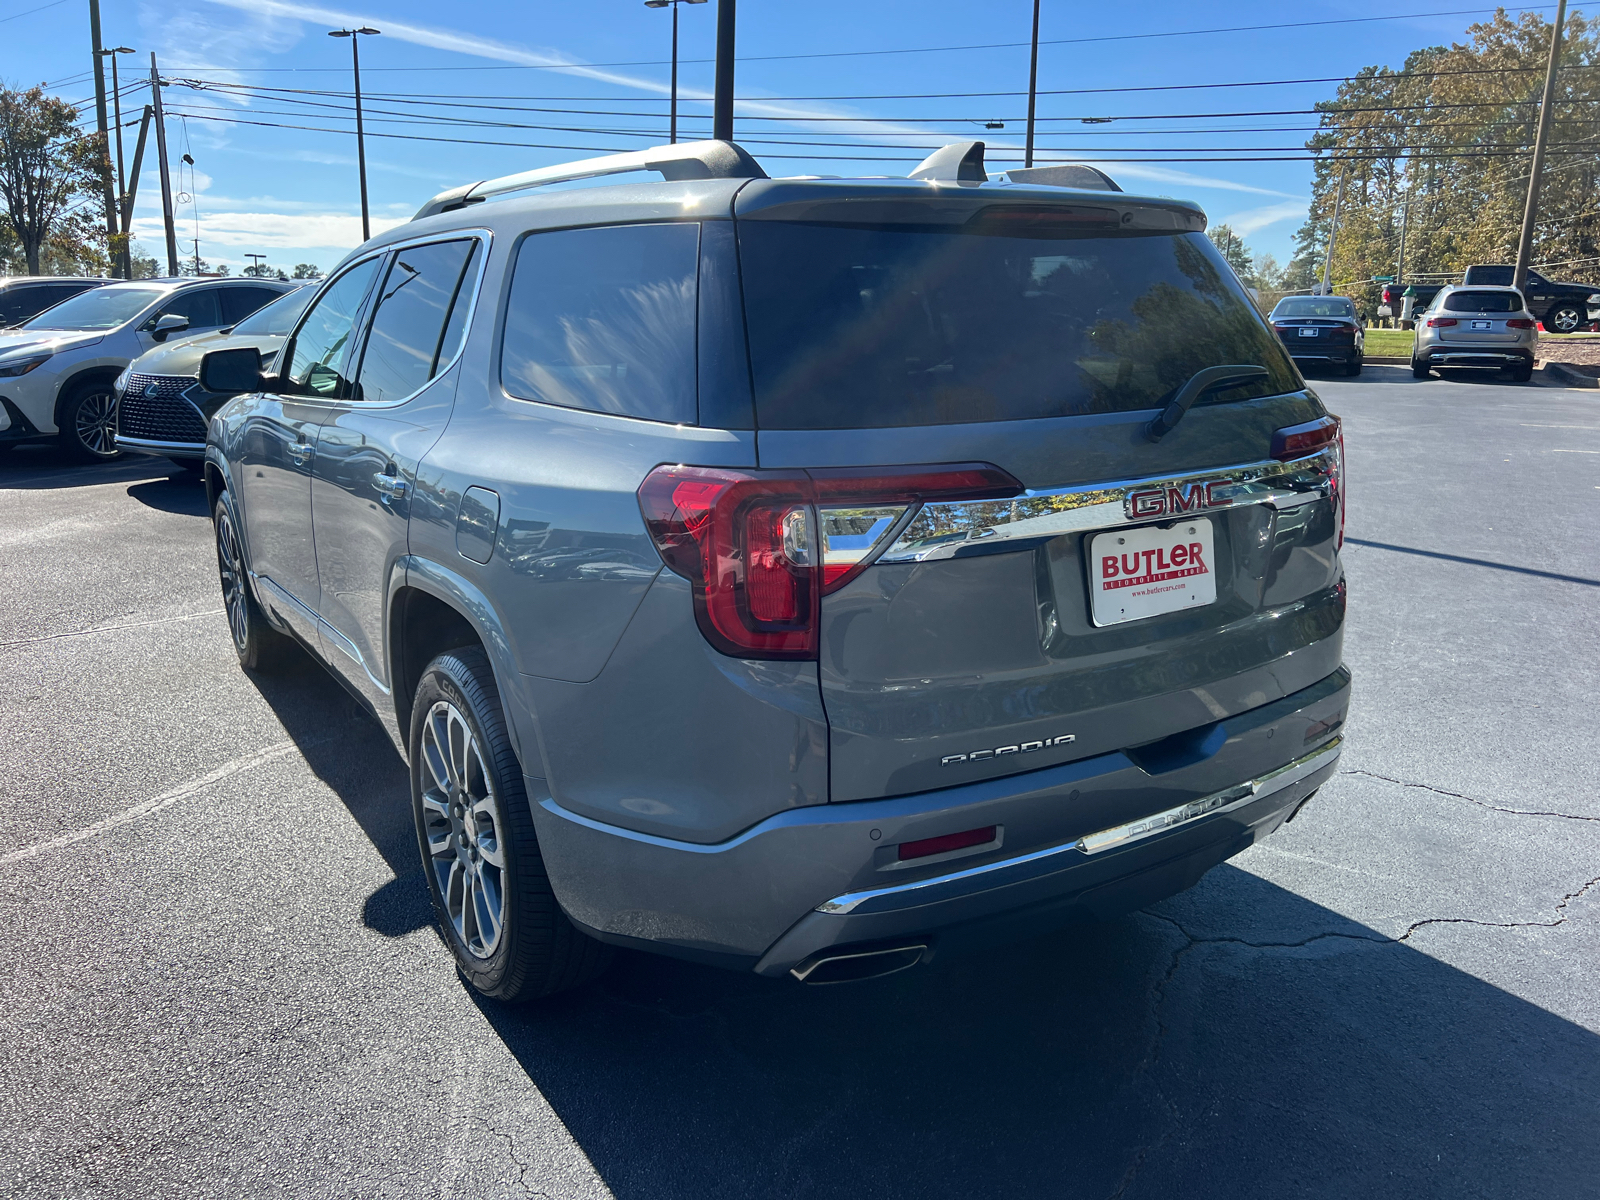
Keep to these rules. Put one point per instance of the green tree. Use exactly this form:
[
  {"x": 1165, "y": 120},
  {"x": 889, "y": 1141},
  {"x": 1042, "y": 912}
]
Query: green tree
[
  {"x": 1233, "y": 250},
  {"x": 45, "y": 166},
  {"x": 307, "y": 271}
]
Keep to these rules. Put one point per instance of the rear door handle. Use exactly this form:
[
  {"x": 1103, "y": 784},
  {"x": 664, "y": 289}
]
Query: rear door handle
[
  {"x": 300, "y": 452},
  {"x": 390, "y": 487}
]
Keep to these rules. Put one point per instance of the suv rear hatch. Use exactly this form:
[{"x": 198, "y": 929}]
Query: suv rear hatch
[{"x": 1122, "y": 592}]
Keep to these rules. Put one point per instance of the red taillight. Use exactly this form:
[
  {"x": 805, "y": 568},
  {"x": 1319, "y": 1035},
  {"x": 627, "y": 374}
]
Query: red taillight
[
  {"x": 762, "y": 547},
  {"x": 1519, "y": 323},
  {"x": 928, "y": 847},
  {"x": 1297, "y": 441},
  {"x": 1441, "y": 322}
]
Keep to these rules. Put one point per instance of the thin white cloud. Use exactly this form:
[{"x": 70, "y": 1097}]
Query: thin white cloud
[
  {"x": 1250, "y": 221},
  {"x": 835, "y": 121},
  {"x": 274, "y": 231}
]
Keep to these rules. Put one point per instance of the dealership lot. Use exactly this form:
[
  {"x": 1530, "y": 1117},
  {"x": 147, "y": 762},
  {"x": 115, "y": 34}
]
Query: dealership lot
[{"x": 221, "y": 977}]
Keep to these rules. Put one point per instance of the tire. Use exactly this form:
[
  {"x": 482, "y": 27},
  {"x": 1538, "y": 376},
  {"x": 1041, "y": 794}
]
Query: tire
[
  {"x": 510, "y": 939},
  {"x": 1565, "y": 318},
  {"x": 1522, "y": 374},
  {"x": 1418, "y": 370},
  {"x": 259, "y": 646},
  {"x": 89, "y": 423},
  {"x": 1354, "y": 368}
]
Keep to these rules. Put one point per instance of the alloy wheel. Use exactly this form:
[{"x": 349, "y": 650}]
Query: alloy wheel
[
  {"x": 1565, "y": 319},
  {"x": 230, "y": 565},
  {"x": 96, "y": 423},
  {"x": 462, "y": 829}
]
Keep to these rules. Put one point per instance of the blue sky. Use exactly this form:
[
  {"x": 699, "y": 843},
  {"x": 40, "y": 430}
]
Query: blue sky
[{"x": 292, "y": 193}]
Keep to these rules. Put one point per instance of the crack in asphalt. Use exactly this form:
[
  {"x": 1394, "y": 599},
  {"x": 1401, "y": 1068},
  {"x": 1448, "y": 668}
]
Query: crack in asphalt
[
  {"x": 1159, "y": 995},
  {"x": 511, "y": 1150},
  {"x": 1427, "y": 787}
]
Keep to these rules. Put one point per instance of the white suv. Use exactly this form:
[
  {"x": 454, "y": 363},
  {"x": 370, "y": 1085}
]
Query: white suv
[{"x": 58, "y": 370}]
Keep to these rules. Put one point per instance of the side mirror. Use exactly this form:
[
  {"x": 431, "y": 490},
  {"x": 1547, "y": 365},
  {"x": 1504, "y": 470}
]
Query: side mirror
[
  {"x": 168, "y": 325},
  {"x": 231, "y": 370}
]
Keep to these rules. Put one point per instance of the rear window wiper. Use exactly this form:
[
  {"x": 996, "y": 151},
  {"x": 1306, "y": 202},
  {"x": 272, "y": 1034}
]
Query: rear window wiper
[{"x": 1200, "y": 383}]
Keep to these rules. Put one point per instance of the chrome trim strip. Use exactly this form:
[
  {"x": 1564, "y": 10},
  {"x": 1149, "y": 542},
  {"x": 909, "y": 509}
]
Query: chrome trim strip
[
  {"x": 1220, "y": 802},
  {"x": 197, "y": 449},
  {"x": 944, "y": 530}
]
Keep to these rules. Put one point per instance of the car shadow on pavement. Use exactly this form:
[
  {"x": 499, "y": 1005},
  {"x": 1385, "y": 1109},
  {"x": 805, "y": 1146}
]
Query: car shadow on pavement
[
  {"x": 1117, "y": 1059},
  {"x": 349, "y": 752},
  {"x": 47, "y": 467},
  {"x": 180, "y": 492}
]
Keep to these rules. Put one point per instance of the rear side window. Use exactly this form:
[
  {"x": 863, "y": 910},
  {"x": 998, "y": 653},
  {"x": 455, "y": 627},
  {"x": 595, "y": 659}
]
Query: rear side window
[
  {"x": 604, "y": 319},
  {"x": 200, "y": 306},
  {"x": 1483, "y": 302},
  {"x": 406, "y": 345},
  {"x": 239, "y": 302},
  {"x": 854, "y": 327},
  {"x": 1495, "y": 275}
]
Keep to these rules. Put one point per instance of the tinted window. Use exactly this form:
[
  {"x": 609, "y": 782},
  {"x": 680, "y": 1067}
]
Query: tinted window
[
  {"x": 98, "y": 308},
  {"x": 277, "y": 318},
  {"x": 322, "y": 345},
  {"x": 1500, "y": 276},
  {"x": 1314, "y": 306},
  {"x": 1483, "y": 302},
  {"x": 604, "y": 319},
  {"x": 855, "y": 327},
  {"x": 200, "y": 306},
  {"x": 20, "y": 303},
  {"x": 406, "y": 344},
  {"x": 239, "y": 302}
]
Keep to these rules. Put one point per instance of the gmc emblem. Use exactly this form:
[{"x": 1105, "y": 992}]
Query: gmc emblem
[{"x": 1173, "y": 501}]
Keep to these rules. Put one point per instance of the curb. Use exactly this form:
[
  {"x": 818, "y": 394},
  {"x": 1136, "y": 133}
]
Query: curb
[
  {"x": 1386, "y": 360},
  {"x": 1569, "y": 377}
]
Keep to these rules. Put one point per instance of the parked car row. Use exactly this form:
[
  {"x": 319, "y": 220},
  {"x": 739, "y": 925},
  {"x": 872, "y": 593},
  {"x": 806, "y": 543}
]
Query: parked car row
[
  {"x": 1559, "y": 307},
  {"x": 59, "y": 369}
]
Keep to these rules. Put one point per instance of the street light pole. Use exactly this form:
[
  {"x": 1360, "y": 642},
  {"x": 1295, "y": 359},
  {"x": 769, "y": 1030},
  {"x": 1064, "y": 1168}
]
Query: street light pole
[
  {"x": 1530, "y": 211},
  {"x": 1327, "y": 262},
  {"x": 673, "y": 4},
  {"x": 256, "y": 265},
  {"x": 361, "y": 139},
  {"x": 1033, "y": 85}
]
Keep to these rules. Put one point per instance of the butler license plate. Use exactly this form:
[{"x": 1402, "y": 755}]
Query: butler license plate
[{"x": 1137, "y": 573}]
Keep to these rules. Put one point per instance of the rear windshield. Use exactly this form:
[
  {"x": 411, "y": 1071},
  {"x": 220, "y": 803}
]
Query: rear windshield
[
  {"x": 1483, "y": 302},
  {"x": 1314, "y": 306},
  {"x": 859, "y": 327},
  {"x": 1497, "y": 275}
]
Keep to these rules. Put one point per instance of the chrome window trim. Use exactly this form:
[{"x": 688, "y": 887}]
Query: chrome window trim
[
  {"x": 484, "y": 235},
  {"x": 1215, "y": 804},
  {"x": 1096, "y": 506}
]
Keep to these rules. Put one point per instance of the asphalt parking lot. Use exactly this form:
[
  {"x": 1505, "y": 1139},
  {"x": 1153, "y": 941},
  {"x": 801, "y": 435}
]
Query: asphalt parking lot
[{"x": 221, "y": 981}]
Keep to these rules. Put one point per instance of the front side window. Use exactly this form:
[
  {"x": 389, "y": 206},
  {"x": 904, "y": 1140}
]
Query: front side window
[
  {"x": 858, "y": 326},
  {"x": 99, "y": 308},
  {"x": 407, "y": 346},
  {"x": 199, "y": 305},
  {"x": 604, "y": 319},
  {"x": 1483, "y": 302},
  {"x": 322, "y": 347}
]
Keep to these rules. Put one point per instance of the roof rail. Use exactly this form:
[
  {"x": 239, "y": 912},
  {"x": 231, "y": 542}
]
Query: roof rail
[
  {"x": 959, "y": 162},
  {"x": 686, "y": 160},
  {"x": 1071, "y": 175}
]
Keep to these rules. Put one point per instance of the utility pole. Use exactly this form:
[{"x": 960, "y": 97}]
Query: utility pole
[
  {"x": 1405, "y": 219},
  {"x": 166, "y": 175},
  {"x": 1530, "y": 211},
  {"x": 133, "y": 187},
  {"x": 1327, "y": 262},
  {"x": 355, "y": 36},
  {"x": 105, "y": 134},
  {"x": 1033, "y": 86},
  {"x": 123, "y": 255},
  {"x": 722, "y": 94}
]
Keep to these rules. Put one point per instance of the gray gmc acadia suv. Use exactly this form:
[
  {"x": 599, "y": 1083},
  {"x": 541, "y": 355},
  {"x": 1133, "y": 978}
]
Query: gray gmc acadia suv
[{"x": 797, "y": 575}]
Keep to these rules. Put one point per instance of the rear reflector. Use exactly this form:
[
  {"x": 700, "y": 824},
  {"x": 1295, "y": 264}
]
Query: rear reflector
[{"x": 948, "y": 842}]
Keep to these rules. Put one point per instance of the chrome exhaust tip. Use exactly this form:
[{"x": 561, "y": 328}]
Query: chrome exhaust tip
[{"x": 851, "y": 966}]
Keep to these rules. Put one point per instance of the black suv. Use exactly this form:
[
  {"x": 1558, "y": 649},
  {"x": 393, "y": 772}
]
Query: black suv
[{"x": 1560, "y": 307}]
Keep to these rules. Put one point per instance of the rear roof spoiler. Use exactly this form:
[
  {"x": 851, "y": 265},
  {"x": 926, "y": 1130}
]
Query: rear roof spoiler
[
  {"x": 686, "y": 160},
  {"x": 1072, "y": 175},
  {"x": 962, "y": 162}
]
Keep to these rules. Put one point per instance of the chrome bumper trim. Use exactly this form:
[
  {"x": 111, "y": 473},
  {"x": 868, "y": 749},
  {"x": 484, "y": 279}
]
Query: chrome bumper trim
[
  {"x": 194, "y": 449},
  {"x": 1206, "y": 806}
]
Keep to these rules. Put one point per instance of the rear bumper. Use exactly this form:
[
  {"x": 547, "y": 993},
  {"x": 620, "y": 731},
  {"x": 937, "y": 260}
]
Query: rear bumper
[
  {"x": 1488, "y": 358},
  {"x": 815, "y": 879}
]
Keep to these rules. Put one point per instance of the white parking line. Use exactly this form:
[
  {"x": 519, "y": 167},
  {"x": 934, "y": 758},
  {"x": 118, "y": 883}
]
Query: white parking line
[
  {"x": 1575, "y": 451},
  {"x": 154, "y": 805},
  {"x": 51, "y": 637}
]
